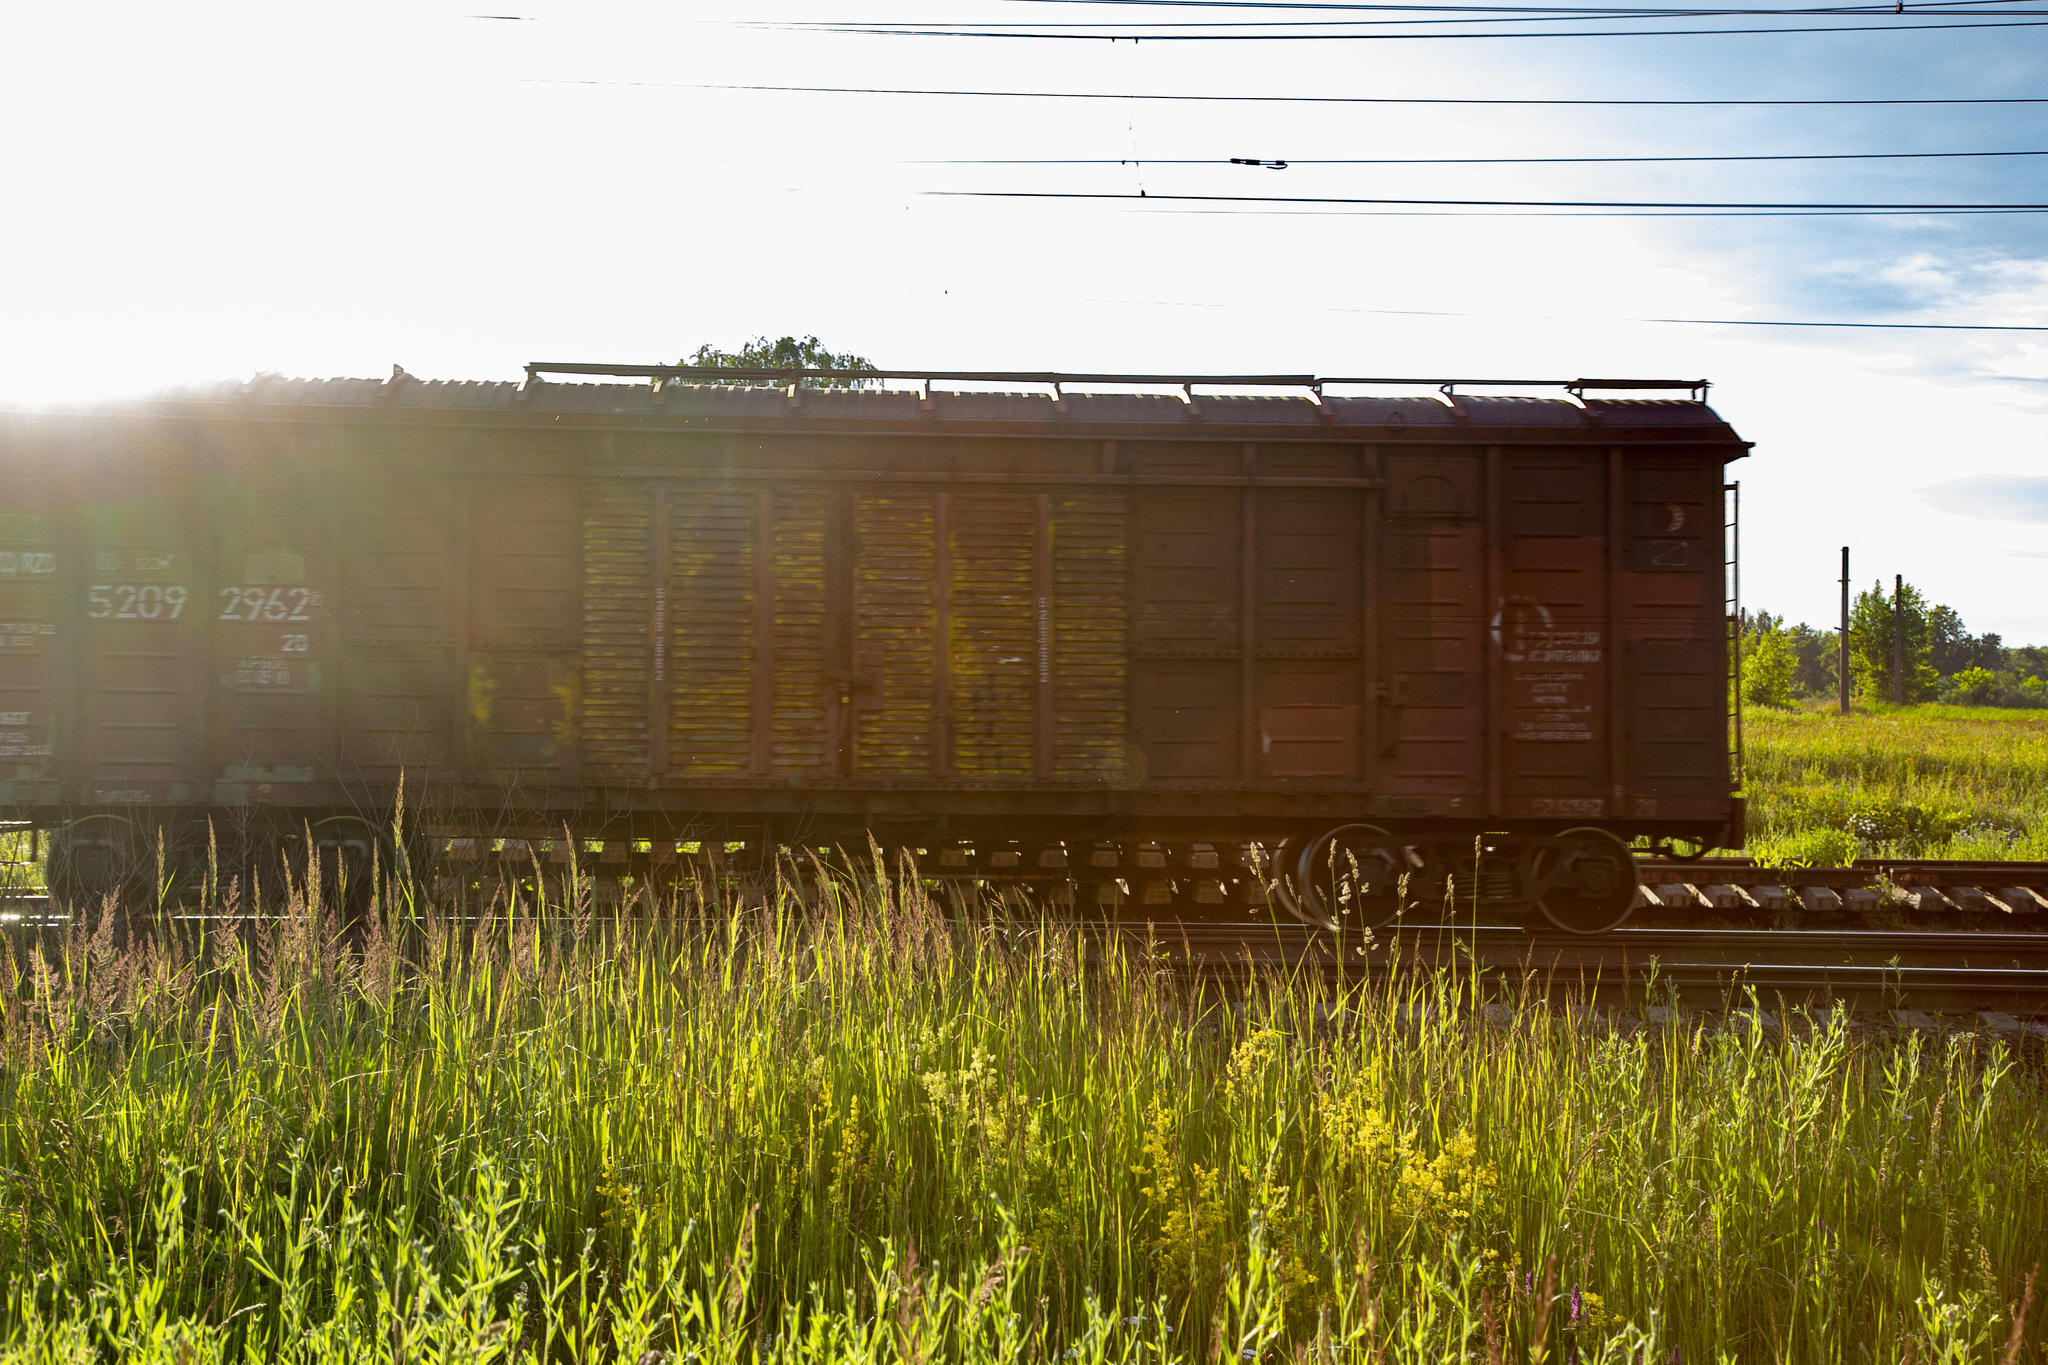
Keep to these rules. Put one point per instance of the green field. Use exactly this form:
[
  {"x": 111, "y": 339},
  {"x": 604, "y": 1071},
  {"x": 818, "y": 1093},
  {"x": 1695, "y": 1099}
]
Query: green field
[
  {"x": 869, "y": 1134},
  {"x": 854, "y": 1130},
  {"x": 1919, "y": 781}
]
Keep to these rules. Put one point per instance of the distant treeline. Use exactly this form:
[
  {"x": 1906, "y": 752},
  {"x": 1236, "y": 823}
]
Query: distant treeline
[{"x": 1784, "y": 663}]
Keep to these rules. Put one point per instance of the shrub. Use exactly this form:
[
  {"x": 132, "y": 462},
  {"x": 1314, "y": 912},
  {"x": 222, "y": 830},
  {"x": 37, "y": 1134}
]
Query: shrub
[
  {"x": 1975, "y": 686},
  {"x": 1770, "y": 663}
]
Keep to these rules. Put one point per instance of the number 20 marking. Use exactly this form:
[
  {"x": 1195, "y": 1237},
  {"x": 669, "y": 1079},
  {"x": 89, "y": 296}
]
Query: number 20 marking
[{"x": 265, "y": 604}]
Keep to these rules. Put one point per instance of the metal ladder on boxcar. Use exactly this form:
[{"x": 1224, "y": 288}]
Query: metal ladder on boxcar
[{"x": 1731, "y": 578}]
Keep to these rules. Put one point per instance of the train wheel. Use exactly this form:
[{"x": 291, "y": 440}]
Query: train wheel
[
  {"x": 1348, "y": 877},
  {"x": 1596, "y": 883},
  {"x": 97, "y": 857},
  {"x": 354, "y": 855}
]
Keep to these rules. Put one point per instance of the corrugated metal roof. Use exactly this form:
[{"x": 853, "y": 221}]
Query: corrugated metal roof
[{"x": 698, "y": 404}]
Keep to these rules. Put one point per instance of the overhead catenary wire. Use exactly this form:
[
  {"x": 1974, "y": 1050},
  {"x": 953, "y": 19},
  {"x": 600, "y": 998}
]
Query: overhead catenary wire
[
  {"x": 1202, "y": 98},
  {"x": 1563, "y": 213},
  {"x": 1873, "y": 326},
  {"x": 1351, "y": 6},
  {"x": 1128, "y": 37},
  {"x": 1284, "y": 162},
  {"x": 1427, "y": 14},
  {"x": 1688, "y": 322},
  {"x": 1497, "y": 203}
]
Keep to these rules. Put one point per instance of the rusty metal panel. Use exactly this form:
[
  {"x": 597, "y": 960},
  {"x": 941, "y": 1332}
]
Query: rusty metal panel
[
  {"x": 1551, "y": 636},
  {"x": 1087, "y": 637},
  {"x": 522, "y": 710},
  {"x": 1432, "y": 618},
  {"x": 525, "y": 573},
  {"x": 712, "y": 592},
  {"x": 895, "y": 628},
  {"x": 1186, "y": 716},
  {"x": 396, "y": 713},
  {"x": 525, "y": 593},
  {"x": 1185, "y": 590},
  {"x": 1308, "y": 579},
  {"x": 992, "y": 633},
  {"x": 274, "y": 649},
  {"x": 1672, "y": 631},
  {"x": 30, "y": 559},
  {"x": 1187, "y": 609},
  {"x": 1309, "y": 619},
  {"x": 625, "y": 606},
  {"x": 802, "y": 693},
  {"x": 141, "y": 698},
  {"x": 399, "y": 561},
  {"x": 401, "y": 618},
  {"x": 1310, "y": 739}
]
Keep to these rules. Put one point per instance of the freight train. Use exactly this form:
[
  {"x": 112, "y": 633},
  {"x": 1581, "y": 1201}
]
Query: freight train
[{"x": 1198, "y": 641}]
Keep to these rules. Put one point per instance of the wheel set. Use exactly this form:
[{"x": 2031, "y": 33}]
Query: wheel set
[
  {"x": 1350, "y": 876},
  {"x": 1357, "y": 876}
]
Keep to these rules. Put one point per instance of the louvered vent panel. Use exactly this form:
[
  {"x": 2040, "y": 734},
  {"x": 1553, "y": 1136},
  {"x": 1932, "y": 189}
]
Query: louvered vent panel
[
  {"x": 895, "y": 614},
  {"x": 799, "y": 739},
  {"x": 617, "y": 564},
  {"x": 993, "y": 634},
  {"x": 711, "y": 600},
  {"x": 1089, "y": 686}
]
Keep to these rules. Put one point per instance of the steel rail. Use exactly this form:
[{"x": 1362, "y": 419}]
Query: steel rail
[{"x": 1947, "y": 972}]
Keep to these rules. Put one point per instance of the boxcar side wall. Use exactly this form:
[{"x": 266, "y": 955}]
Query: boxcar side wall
[{"x": 539, "y": 625}]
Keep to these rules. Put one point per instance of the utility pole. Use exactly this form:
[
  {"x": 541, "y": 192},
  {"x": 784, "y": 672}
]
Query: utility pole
[
  {"x": 1898, "y": 639},
  {"x": 1844, "y": 670}
]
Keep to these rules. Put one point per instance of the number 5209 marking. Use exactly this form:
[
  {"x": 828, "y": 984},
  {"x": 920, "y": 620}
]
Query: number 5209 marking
[
  {"x": 135, "y": 602},
  {"x": 265, "y": 604}
]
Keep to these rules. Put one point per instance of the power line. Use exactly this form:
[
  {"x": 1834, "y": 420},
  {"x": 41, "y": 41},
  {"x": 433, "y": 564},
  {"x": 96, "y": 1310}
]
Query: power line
[
  {"x": 1495, "y": 203},
  {"x": 1878, "y": 8},
  {"x": 1310, "y": 99},
  {"x": 1881, "y": 326},
  {"x": 1466, "y": 14},
  {"x": 1569, "y": 213},
  {"x": 1689, "y": 322},
  {"x": 906, "y": 32},
  {"x": 1281, "y": 163}
]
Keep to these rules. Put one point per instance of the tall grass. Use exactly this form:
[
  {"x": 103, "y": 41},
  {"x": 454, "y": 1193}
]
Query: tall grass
[
  {"x": 20, "y": 869},
  {"x": 1922, "y": 781},
  {"x": 852, "y": 1129}
]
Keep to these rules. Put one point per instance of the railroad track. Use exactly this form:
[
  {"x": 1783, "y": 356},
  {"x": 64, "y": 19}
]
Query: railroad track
[
  {"x": 1865, "y": 971},
  {"x": 2001, "y": 970},
  {"x": 1211, "y": 878},
  {"x": 1928, "y": 886}
]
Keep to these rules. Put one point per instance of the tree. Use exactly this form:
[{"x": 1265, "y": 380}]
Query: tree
[
  {"x": 1815, "y": 658},
  {"x": 1770, "y": 663},
  {"x": 1951, "y": 648},
  {"x": 1955, "y": 649},
  {"x": 1975, "y": 686},
  {"x": 1870, "y": 645},
  {"x": 787, "y": 353}
]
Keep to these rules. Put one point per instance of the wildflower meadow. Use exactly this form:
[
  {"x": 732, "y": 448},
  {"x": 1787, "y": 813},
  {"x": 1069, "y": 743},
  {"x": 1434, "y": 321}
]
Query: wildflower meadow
[{"x": 821, "y": 1121}]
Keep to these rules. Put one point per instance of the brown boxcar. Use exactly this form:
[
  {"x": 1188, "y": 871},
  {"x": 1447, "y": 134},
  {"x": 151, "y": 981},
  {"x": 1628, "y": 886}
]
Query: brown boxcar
[{"x": 1037, "y": 630}]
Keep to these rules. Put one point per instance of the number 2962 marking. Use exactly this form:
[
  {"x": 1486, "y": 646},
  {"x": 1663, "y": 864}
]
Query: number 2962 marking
[{"x": 265, "y": 604}]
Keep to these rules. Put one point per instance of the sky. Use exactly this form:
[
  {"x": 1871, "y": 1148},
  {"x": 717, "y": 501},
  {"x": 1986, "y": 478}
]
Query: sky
[{"x": 208, "y": 191}]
